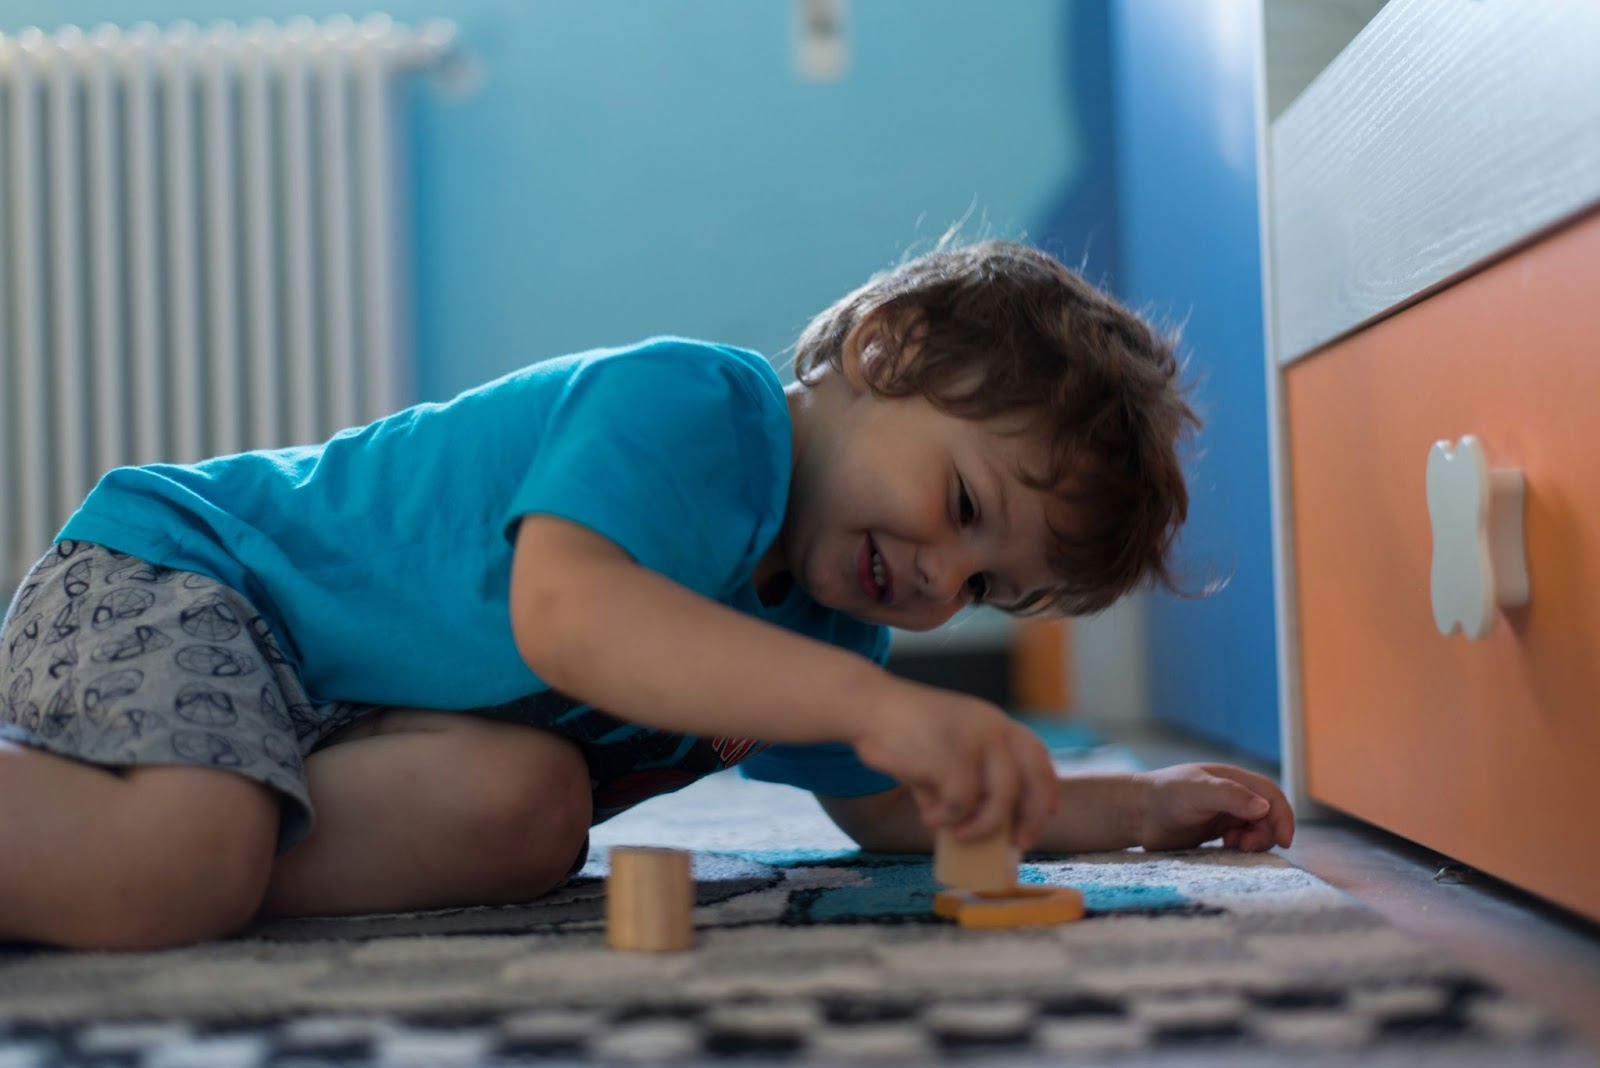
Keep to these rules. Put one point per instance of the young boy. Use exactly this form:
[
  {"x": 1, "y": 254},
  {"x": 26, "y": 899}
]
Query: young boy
[{"x": 464, "y": 634}]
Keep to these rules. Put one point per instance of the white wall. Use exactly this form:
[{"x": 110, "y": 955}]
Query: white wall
[{"x": 1110, "y": 662}]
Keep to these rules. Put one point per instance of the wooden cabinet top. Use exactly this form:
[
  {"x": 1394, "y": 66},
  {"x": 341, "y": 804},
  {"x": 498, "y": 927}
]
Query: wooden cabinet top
[{"x": 1445, "y": 134}]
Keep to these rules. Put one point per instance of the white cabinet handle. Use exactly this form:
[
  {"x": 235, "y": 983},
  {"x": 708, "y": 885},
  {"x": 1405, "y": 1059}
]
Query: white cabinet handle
[{"x": 1479, "y": 562}]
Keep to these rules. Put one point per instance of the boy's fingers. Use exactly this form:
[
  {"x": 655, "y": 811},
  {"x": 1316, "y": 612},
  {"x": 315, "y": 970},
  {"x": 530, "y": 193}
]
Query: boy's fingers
[
  {"x": 1239, "y": 800},
  {"x": 961, "y": 798},
  {"x": 1040, "y": 792},
  {"x": 927, "y": 804},
  {"x": 995, "y": 809},
  {"x": 1283, "y": 824},
  {"x": 941, "y": 804},
  {"x": 1282, "y": 819},
  {"x": 985, "y": 820},
  {"x": 1282, "y": 811},
  {"x": 1256, "y": 838}
]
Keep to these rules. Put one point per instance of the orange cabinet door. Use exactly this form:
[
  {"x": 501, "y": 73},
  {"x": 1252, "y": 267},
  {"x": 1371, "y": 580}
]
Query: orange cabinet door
[{"x": 1488, "y": 751}]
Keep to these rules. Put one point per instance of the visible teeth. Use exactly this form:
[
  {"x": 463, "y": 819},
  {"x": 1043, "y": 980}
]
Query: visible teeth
[{"x": 877, "y": 570}]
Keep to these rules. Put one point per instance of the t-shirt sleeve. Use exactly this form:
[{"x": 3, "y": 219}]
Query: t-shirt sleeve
[
  {"x": 676, "y": 452},
  {"x": 832, "y": 770}
]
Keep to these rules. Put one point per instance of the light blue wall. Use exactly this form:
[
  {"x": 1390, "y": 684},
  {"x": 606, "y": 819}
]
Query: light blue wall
[
  {"x": 1185, "y": 86},
  {"x": 634, "y": 167}
]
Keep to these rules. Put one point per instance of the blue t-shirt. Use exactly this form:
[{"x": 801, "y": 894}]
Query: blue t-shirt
[{"x": 382, "y": 558}]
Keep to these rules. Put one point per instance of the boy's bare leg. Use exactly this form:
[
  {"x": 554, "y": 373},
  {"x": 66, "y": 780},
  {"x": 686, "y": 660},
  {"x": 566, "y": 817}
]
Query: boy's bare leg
[
  {"x": 418, "y": 809},
  {"x": 150, "y": 857}
]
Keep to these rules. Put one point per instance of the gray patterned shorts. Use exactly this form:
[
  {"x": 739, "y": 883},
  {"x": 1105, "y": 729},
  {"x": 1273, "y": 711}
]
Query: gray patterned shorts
[{"x": 115, "y": 661}]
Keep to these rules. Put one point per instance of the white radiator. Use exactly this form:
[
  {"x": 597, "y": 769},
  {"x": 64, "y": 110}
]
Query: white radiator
[{"x": 201, "y": 248}]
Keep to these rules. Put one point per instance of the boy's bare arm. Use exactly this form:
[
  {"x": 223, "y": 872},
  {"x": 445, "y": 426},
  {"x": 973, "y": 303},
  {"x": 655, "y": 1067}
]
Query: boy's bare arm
[
  {"x": 597, "y": 626},
  {"x": 1097, "y": 813},
  {"x": 1171, "y": 808},
  {"x": 594, "y": 624}
]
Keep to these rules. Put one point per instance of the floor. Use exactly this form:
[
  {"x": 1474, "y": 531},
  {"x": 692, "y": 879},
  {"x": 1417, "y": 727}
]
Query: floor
[{"x": 1546, "y": 954}]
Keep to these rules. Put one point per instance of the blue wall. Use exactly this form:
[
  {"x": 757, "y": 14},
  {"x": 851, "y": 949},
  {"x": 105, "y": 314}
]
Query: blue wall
[
  {"x": 1082, "y": 224},
  {"x": 1186, "y": 81},
  {"x": 633, "y": 167}
]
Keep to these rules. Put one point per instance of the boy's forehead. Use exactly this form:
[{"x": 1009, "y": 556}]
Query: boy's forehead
[{"x": 1022, "y": 443}]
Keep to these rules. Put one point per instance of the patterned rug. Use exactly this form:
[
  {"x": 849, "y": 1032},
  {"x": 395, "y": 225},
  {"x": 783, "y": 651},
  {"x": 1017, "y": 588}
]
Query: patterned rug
[{"x": 808, "y": 952}]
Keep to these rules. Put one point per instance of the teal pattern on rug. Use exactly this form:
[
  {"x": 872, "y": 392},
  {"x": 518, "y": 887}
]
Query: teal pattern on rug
[{"x": 902, "y": 887}]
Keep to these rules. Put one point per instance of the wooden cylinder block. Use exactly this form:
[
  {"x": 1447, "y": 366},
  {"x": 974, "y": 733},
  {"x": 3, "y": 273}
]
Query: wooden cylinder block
[
  {"x": 650, "y": 900},
  {"x": 987, "y": 864}
]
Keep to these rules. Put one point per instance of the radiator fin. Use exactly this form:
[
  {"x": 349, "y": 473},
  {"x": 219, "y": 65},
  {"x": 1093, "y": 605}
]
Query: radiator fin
[{"x": 203, "y": 249}]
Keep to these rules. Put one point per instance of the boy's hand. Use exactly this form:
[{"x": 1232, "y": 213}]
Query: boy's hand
[
  {"x": 968, "y": 766},
  {"x": 1189, "y": 804}
]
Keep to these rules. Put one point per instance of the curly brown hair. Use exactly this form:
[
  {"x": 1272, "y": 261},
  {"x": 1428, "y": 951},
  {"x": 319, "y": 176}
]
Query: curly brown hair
[{"x": 1000, "y": 328}]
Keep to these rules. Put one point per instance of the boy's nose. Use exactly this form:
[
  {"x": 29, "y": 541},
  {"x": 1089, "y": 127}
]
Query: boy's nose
[{"x": 941, "y": 574}]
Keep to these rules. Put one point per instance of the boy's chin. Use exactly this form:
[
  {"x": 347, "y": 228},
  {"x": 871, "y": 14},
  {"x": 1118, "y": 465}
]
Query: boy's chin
[
  {"x": 878, "y": 617},
  {"x": 854, "y": 607},
  {"x": 862, "y": 617}
]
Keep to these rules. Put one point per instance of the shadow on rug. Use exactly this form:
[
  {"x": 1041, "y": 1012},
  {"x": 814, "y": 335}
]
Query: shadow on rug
[{"x": 802, "y": 956}]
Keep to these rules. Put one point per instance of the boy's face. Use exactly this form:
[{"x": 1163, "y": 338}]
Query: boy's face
[{"x": 901, "y": 514}]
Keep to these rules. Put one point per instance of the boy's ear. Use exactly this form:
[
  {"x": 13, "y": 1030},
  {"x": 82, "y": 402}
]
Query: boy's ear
[{"x": 864, "y": 345}]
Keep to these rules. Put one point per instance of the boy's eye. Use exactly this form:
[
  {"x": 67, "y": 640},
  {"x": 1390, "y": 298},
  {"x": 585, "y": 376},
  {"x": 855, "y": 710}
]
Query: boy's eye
[
  {"x": 967, "y": 510},
  {"x": 977, "y": 588}
]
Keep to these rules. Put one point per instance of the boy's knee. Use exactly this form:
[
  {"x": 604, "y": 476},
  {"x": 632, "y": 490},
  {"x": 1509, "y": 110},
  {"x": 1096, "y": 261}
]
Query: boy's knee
[
  {"x": 192, "y": 862},
  {"x": 531, "y": 807}
]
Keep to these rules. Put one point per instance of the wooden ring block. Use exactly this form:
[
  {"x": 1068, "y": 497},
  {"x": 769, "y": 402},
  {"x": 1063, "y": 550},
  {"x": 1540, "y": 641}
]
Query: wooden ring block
[
  {"x": 650, "y": 900},
  {"x": 1020, "y": 906}
]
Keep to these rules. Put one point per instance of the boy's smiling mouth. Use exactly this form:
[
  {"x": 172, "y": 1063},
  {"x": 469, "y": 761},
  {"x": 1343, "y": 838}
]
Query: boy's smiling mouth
[{"x": 872, "y": 572}]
